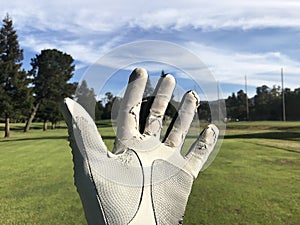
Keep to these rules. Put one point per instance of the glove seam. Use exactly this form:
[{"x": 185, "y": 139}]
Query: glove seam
[
  {"x": 143, "y": 185},
  {"x": 152, "y": 203}
]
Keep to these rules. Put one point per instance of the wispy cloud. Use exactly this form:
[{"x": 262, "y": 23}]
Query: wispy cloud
[{"x": 106, "y": 17}]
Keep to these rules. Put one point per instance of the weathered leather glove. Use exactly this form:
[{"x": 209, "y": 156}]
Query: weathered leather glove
[{"x": 143, "y": 180}]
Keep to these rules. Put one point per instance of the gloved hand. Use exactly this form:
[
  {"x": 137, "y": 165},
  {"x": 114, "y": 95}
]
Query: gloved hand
[{"x": 143, "y": 180}]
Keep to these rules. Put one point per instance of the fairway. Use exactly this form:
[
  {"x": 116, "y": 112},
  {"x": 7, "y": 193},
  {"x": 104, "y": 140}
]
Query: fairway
[{"x": 255, "y": 178}]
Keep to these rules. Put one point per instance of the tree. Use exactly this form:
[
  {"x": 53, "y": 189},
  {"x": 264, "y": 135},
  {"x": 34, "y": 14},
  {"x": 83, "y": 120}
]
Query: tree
[
  {"x": 109, "y": 99},
  {"x": 13, "y": 81},
  {"x": 231, "y": 103},
  {"x": 204, "y": 111},
  {"x": 99, "y": 109},
  {"x": 86, "y": 97},
  {"x": 267, "y": 103},
  {"x": 241, "y": 105},
  {"x": 292, "y": 100},
  {"x": 51, "y": 72}
]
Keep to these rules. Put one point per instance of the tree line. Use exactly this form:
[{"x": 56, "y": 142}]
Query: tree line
[{"x": 267, "y": 104}]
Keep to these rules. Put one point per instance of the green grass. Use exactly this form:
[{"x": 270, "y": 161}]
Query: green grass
[
  {"x": 36, "y": 180},
  {"x": 255, "y": 178}
]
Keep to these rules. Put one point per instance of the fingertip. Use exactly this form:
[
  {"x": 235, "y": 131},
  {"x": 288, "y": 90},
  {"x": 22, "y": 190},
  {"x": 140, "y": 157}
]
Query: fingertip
[
  {"x": 213, "y": 127},
  {"x": 210, "y": 134},
  {"x": 74, "y": 109},
  {"x": 67, "y": 100},
  {"x": 138, "y": 73},
  {"x": 169, "y": 78},
  {"x": 69, "y": 104},
  {"x": 193, "y": 97}
]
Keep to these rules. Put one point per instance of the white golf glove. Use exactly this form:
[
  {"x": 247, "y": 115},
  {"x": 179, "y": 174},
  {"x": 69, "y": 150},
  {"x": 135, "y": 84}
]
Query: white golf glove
[{"x": 143, "y": 180}]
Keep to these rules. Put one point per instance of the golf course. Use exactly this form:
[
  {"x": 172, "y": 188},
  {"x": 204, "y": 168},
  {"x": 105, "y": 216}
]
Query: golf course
[{"x": 255, "y": 178}]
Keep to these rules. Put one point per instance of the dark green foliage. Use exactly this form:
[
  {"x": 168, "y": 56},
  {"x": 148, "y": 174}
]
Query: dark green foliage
[
  {"x": 265, "y": 105},
  {"x": 236, "y": 105},
  {"x": 292, "y": 104},
  {"x": 51, "y": 72},
  {"x": 49, "y": 110},
  {"x": 204, "y": 111},
  {"x": 99, "y": 108},
  {"x": 14, "y": 81}
]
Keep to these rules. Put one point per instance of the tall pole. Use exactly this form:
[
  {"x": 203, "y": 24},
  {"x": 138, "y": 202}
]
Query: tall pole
[
  {"x": 283, "y": 97},
  {"x": 246, "y": 97}
]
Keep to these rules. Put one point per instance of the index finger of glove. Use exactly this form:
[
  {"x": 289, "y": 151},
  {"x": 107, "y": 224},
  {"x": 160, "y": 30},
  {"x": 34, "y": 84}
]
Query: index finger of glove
[{"x": 128, "y": 117}]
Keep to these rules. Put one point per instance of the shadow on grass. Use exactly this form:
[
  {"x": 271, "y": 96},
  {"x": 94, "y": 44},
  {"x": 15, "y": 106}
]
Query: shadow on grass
[
  {"x": 35, "y": 138},
  {"x": 48, "y": 138},
  {"x": 267, "y": 135},
  {"x": 20, "y": 127}
]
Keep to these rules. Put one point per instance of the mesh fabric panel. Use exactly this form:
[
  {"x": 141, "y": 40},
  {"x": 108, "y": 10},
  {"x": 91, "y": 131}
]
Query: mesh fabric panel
[
  {"x": 118, "y": 180},
  {"x": 170, "y": 190}
]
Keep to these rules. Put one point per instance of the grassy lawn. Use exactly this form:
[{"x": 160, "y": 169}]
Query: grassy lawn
[
  {"x": 36, "y": 180},
  {"x": 255, "y": 178}
]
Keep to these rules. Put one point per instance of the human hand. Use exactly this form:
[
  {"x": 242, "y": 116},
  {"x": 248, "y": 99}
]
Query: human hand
[{"x": 143, "y": 180}]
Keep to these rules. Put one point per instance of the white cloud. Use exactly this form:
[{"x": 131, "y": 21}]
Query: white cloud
[
  {"x": 85, "y": 51},
  {"x": 107, "y": 16},
  {"x": 261, "y": 69}
]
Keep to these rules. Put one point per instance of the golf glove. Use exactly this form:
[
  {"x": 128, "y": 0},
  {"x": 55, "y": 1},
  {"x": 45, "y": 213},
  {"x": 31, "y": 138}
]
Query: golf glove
[{"x": 143, "y": 180}]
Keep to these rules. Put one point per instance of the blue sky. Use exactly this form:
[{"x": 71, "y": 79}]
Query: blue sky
[{"x": 233, "y": 38}]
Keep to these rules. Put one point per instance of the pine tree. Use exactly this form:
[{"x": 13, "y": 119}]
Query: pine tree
[{"x": 13, "y": 81}]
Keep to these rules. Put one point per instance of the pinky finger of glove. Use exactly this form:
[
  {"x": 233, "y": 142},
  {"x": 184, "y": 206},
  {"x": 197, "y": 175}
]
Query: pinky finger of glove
[{"x": 201, "y": 149}]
